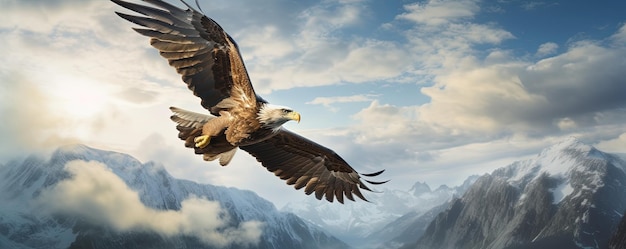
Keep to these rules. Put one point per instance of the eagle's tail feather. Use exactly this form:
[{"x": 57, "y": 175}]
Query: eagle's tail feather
[
  {"x": 227, "y": 156},
  {"x": 189, "y": 126},
  {"x": 188, "y": 118}
]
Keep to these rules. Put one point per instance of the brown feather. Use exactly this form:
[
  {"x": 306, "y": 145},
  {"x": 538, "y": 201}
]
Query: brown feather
[
  {"x": 180, "y": 35},
  {"x": 306, "y": 164}
]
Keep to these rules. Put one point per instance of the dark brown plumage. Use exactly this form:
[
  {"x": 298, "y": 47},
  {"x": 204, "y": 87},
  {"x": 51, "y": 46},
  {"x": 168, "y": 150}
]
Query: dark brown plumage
[{"x": 209, "y": 62}]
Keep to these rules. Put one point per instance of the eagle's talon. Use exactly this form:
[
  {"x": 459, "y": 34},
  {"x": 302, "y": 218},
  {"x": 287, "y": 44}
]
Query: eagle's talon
[{"x": 202, "y": 141}]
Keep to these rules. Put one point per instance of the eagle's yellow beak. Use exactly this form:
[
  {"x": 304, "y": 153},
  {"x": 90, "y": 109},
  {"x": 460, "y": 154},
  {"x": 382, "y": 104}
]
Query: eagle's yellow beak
[{"x": 294, "y": 116}]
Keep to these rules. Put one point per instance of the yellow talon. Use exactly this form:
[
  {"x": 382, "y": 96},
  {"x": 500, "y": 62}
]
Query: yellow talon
[{"x": 202, "y": 141}]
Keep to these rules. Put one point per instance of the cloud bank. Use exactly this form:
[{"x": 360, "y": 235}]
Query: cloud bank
[{"x": 97, "y": 195}]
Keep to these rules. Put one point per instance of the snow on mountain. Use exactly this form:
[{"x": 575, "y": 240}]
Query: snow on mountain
[
  {"x": 570, "y": 196},
  {"x": 358, "y": 223},
  {"x": 83, "y": 197}
]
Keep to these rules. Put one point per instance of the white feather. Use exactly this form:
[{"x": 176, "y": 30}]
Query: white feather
[
  {"x": 189, "y": 118},
  {"x": 272, "y": 116}
]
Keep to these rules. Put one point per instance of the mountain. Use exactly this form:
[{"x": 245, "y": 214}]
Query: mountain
[
  {"x": 570, "y": 196},
  {"x": 81, "y": 197},
  {"x": 618, "y": 241},
  {"x": 360, "y": 223},
  {"x": 405, "y": 229}
]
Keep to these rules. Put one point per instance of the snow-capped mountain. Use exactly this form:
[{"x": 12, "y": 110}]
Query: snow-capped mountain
[
  {"x": 570, "y": 196},
  {"x": 86, "y": 198},
  {"x": 359, "y": 223}
]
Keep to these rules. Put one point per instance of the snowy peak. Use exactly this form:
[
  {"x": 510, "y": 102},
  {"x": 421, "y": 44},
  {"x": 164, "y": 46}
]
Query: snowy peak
[
  {"x": 558, "y": 161},
  {"x": 569, "y": 149},
  {"x": 420, "y": 188},
  {"x": 570, "y": 195},
  {"x": 112, "y": 200}
]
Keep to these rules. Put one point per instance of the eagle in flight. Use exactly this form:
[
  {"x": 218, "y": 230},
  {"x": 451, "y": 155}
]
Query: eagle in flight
[{"x": 209, "y": 62}]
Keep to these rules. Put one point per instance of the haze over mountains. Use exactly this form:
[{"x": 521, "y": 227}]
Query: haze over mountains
[
  {"x": 571, "y": 195},
  {"x": 86, "y": 198},
  {"x": 361, "y": 224}
]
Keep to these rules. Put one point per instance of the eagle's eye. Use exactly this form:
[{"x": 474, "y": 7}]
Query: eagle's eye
[{"x": 286, "y": 111}]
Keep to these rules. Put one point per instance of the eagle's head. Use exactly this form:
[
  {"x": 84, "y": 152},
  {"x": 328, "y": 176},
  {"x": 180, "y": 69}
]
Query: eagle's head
[{"x": 272, "y": 116}]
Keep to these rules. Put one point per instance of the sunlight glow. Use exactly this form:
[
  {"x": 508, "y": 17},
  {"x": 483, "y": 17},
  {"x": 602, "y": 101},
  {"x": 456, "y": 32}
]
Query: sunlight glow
[{"x": 79, "y": 98}]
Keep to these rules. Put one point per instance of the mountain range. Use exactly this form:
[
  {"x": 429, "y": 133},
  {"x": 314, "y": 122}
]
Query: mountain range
[
  {"x": 366, "y": 224},
  {"x": 569, "y": 196},
  {"x": 81, "y": 197}
]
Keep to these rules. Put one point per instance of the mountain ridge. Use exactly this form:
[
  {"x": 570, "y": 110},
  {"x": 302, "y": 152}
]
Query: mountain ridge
[
  {"x": 571, "y": 195},
  {"x": 363, "y": 224},
  {"x": 184, "y": 214}
]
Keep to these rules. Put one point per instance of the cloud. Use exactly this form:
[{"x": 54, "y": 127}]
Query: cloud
[
  {"x": 533, "y": 5},
  {"x": 547, "y": 48},
  {"x": 512, "y": 95},
  {"x": 619, "y": 38},
  {"x": 580, "y": 82},
  {"x": 481, "y": 104},
  {"x": 97, "y": 195},
  {"x": 314, "y": 51},
  {"x": 438, "y": 12},
  {"x": 43, "y": 16},
  {"x": 613, "y": 145},
  {"x": 80, "y": 77},
  {"x": 320, "y": 21},
  {"x": 449, "y": 38},
  {"x": 28, "y": 123},
  {"x": 329, "y": 101},
  {"x": 385, "y": 123}
]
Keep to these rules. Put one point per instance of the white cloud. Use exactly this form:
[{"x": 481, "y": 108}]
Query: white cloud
[
  {"x": 80, "y": 77},
  {"x": 315, "y": 52},
  {"x": 329, "y": 101},
  {"x": 438, "y": 12},
  {"x": 566, "y": 124},
  {"x": 509, "y": 107},
  {"x": 265, "y": 43},
  {"x": 97, "y": 195},
  {"x": 532, "y": 5},
  {"x": 384, "y": 123},
  {"x": 447, "y": 37},
  {"x": 619, "y": 38},
  {"x": 511, "y": 95},
  {"x": 321, "y": 20},
  {"x": 617, "y": 144},
  {"x": 547, "y": 48}
]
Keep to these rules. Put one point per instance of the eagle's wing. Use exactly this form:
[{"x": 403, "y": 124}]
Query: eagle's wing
[
  {"x": 201, "y": 51},
  {"x": 304, "y": 163}
]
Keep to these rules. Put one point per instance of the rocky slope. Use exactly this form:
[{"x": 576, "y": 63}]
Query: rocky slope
[
  {"x": 618, "y": 241},
  {"x": 570, "y": 196}
]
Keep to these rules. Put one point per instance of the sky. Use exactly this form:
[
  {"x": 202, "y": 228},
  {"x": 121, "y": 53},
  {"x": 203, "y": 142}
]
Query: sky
[{"x": 432, "y": 91}]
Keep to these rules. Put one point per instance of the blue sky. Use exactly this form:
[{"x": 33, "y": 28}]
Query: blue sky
[{"x": 431, "y": 90}]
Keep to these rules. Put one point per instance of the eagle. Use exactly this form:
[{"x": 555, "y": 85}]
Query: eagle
[{"x": 209, "y": 61}]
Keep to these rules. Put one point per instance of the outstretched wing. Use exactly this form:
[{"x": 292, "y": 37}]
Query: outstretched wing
[
  {"x": 201, "y": 51},
  {"x": 306, "y": 164}
]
